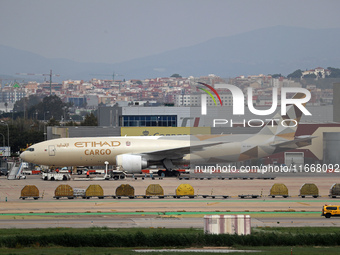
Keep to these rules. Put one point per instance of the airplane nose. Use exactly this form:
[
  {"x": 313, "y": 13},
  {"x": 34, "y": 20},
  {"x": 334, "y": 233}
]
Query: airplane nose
[{"x": 23, "y": 155}]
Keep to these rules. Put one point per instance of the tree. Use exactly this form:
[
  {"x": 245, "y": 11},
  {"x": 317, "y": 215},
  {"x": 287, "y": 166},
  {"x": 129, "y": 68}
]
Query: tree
[
  {"x": 277, "y": 75},
  {"x": 35, "y": 108},
  {"x": 71, "y": 123},
  {"x": 25, "y": 103},
  {"x": 335, "y": 72},
  {"x": 295, "y": 75},
  {"x": 22, "y": 132},
  {"x": 53, "y": 122},
  {"x": 55, "y": 107},
  {"x": 176, "y": 75},
  {"x": 90, "y": 120},
  {"x": 76, "y": 117}
]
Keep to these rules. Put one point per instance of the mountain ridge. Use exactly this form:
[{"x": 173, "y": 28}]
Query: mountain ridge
[{"x": 278, "y": 49}]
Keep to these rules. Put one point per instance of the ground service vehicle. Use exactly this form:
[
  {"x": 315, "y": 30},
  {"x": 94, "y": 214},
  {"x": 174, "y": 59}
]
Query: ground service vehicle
[
  {"x": 330, "y": 210},
  {"x": 3, "y": 171}
]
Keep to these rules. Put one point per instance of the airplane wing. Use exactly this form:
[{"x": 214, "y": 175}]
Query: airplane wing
[
  {"x": 296, "y": 143},
  {"x": 177, "y": 153}
]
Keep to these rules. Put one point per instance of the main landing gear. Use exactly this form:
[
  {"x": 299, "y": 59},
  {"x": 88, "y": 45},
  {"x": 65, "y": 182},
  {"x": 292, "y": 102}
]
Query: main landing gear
[{"x": 169, "y": 172}]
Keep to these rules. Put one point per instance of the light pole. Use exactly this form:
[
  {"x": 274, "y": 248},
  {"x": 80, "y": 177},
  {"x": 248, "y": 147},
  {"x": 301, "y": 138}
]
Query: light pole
[
  {"x": 45, "y": 115},
  {"x": 4, "y": 123},
  {"x": 3, "y": 140},
  {"x": 45, "y": 129}
]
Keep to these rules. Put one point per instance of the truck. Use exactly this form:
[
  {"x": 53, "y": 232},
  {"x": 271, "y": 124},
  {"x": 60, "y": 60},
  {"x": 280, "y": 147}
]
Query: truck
[
  {"x": 84, "y": 170},
  {"x": 330, "y": 210}
]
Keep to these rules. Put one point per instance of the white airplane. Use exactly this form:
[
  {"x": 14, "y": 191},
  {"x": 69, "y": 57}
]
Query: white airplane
[{"x": 134, "y": 153}]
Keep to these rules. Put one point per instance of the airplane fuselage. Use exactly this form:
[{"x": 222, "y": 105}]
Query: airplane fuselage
[
  {"x": 145, "y": 151},
  {"x": 92, "y": 151}
]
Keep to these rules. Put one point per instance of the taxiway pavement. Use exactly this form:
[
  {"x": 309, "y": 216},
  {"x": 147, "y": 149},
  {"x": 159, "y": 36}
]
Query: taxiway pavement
[{"x": 13, "y": 211}]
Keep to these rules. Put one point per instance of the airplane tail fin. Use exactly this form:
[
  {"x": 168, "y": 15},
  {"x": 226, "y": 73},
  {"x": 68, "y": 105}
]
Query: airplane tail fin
[{"x": 284, "y": 127}]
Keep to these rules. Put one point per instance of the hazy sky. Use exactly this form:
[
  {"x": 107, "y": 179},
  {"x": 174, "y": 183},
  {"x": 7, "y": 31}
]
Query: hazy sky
[{"x": 112, "y": 31}]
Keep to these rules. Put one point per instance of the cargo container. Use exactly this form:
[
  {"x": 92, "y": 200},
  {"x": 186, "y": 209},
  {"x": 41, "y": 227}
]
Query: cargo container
[
  {"x": 334, "y": 190},
  {"x": 154, "y": 190},
  {"x": 125, "y": 190},
  {"x": 30, "y": 191},
  {"x": 64, "y": 190},
  {"x": 309, "y": 189},
  {"x": 94, "y": 190},
  {"x": 185, "y": 190},
  {"x": 279, "y": 189}
]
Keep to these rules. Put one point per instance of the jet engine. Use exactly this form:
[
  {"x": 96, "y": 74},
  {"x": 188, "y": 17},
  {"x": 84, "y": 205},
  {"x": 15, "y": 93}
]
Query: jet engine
[{"x": 131, "y": 163}]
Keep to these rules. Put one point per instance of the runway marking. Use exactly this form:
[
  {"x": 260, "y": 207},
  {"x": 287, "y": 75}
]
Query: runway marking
[
  {"x": 160, "y": 213},
  {"x": 215, "y": 203},
  {"x": 304, "y": 203}
]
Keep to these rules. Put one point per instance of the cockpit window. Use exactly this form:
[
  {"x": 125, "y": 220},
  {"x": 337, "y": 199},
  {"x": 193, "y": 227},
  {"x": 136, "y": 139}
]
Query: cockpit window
[{"x": 30, "y": 149}]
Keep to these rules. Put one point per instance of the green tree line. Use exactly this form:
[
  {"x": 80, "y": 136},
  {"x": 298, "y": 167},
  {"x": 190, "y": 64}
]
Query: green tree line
[
  {"x": 30, "y": 118},
  {"x": 297, "y": 74},
  {"x": 311, "y": 79}
]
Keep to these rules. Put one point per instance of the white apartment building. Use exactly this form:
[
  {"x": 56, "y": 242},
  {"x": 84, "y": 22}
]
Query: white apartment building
[
  {"x": 317, "y": 71},
  {"x": 195, "y": 99}
]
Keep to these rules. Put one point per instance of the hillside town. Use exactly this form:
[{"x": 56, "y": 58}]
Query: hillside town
[{"x": 168, "y": 91}]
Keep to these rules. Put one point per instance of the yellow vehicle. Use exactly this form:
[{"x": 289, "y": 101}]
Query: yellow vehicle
[{"x": 330, "y": 210}]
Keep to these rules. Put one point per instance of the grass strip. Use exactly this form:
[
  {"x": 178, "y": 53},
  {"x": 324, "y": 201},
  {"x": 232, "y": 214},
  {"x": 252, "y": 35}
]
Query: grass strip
[{"x": 104, "y": 237}]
